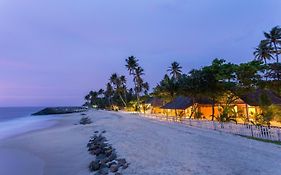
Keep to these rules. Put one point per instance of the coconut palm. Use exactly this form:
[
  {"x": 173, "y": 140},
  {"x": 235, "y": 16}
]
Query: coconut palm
[
  {"x": 123, "y": 83},
  {"x": 138, "y": 83},
  {"x": 118, "y": 87},
  {"x": 274, "y": 39},
  {"x": 167, "y": 88},
  {"x": 132, "y": 64},
  {"x": 175, "y": 70},
  {"x": 263, "y": 52},
  {"x": 109, "y": 93}
]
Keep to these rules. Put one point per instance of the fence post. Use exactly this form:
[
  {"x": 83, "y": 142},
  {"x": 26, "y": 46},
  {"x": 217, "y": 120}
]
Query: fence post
[
  {"x": 252, "y": 133},
  {"x": 215, "y": 125},
  {"x": 279, "y": 135}
]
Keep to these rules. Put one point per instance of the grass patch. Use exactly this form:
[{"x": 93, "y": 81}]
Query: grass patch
[{"x": 262, "y": 140}]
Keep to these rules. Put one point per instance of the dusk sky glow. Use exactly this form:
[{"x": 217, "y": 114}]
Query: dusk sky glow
[{"x": 54, "y": 52}]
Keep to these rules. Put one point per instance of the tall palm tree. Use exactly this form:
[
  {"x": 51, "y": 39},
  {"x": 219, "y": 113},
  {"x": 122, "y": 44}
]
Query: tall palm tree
[
  {"x": 115, "y": 80},
  {"x": 263, "y": 52},
  {"x": 123, "y": 83},
  {"x": 138, "y": 83},
  {"x": 101, "y": 92},
  {"x": 87, "y": 98},
  {"x": 132, "y": 64},
  {"x": 274, "y": 39},
  {"x": 175, "y": 70},
  {"x": 109, "y": 93}
]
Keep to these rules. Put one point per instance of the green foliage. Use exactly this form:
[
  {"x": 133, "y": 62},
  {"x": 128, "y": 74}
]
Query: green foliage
[{"x": 167, "y": 88}]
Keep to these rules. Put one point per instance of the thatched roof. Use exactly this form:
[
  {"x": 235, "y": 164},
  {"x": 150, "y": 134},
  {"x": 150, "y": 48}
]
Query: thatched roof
[
  {"x": 185, "y": 102},
  {"x": 155, "y": 102},
  {"x": 179, "y": 103},
  {"x": 255, "y": 98}
]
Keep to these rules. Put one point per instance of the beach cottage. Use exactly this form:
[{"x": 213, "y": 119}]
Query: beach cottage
[
  {"x": 153, "y": 106},
  {"x": 246, "y": 106},
  {"x": 187, "y": 107}
]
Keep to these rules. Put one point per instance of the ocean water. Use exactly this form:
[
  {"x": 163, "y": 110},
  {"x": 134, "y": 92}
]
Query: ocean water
[
  {"x": 18, "y": 120},
  {"x": 11, "y": 113}
]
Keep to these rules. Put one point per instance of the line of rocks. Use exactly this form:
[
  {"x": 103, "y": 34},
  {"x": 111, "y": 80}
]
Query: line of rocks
[
  {"x": 85, "y": 121},
  {"x": 106, "y": 159}
]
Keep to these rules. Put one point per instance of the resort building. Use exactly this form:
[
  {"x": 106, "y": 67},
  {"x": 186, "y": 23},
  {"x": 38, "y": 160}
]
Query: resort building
[
  {"x": 153, "y": 106},
  {"x": 244, "y": 108}
]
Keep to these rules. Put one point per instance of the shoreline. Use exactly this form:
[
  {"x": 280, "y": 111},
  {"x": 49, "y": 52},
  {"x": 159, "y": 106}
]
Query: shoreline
[
  {"x": 46, "y": 150},
  {"x": 14, "y": 128},
  {"x": 151, "y": 147}
]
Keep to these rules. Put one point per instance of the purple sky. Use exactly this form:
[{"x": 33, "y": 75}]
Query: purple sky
[{"x": 52, "y": 52}]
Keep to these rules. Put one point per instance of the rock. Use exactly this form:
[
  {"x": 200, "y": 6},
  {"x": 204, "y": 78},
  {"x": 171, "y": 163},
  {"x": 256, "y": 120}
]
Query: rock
[
  {"x": 104, "y": 131},
  {"x": 121, "y": 162},
  {"x": 100, "y": 157},
  {"x": 108, "y": 152},
  {"x": 118, "y": 173},
  {"x": 112, "y": 156},
  {"x": 94, "y": 166},
  {"x": 125, "y": 166},
  {"x": 85, "y": 121},
  {"x": 96, "y": 151},
  {"x": 114, "y": 168},
  {"x": 96, "y": 132},
  {"x": 103, "y": 170}
]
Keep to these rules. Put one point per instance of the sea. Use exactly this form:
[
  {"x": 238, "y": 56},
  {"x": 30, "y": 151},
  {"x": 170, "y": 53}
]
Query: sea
[{"x": 18, "y": 120}]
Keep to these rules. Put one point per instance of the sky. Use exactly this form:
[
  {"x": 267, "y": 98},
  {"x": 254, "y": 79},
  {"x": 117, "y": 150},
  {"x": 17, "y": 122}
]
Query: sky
[{"x": 54, "y": 52}]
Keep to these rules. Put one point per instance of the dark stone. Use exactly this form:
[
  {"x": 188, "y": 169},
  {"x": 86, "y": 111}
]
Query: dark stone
[
  {"x": 96, "y": 151},
  {"x": 118, "y": 173},
  {"x": 125, "y": 166},
  {"x": 94, "y": 166},
  {"x": 104, "y": 131},
  {"x": 100, "y": 157},
  {"x": 114, "y": 168},
  {"x": 103, "y": 170},
  {"x": 96, "y": 132},
  {"x": 85, "y": 121},
  {"x": 121, "y": 162},
  {"x": 112, "y": 156}
]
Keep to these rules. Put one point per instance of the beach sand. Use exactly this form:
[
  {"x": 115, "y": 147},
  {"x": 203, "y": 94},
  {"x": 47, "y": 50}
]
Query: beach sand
[{"x": 151, "y": 147}]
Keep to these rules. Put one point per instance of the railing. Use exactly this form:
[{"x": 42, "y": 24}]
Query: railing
[{"x": 262, "y": 132}]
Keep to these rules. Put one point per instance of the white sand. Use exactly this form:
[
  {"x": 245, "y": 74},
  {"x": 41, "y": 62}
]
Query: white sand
[{"x": 151, "y": 147}]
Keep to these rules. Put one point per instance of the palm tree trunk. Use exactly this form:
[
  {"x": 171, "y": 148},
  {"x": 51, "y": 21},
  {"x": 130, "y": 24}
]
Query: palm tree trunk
[
  {"x": 265, "y": 62},
  {"x": 138, "y": 101},
  {"x": 124, "y": 103},
  {"x": 213, "y": 109},
  {"x": 276, "y": 50},
  {"x": 137, "y": 94}
]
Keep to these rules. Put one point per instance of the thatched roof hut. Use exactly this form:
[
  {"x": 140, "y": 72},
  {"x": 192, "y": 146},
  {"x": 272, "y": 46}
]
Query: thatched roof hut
[
  {"x": 155, "y": 102},
  {"x": 179, "y": 103},
  {"x": 184, "y": 102},
  {"x": 258, "y": 97}
]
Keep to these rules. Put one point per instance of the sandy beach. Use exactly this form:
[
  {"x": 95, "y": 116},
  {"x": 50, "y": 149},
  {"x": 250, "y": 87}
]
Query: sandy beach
[{"x": 151, "y": 147}]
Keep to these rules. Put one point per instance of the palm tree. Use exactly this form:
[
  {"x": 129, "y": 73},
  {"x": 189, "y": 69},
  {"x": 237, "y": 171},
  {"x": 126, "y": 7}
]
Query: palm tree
[
  {"x": 145, "y": 87},
  {"x": 175, "y": 70},
  {"x": 274, "y": 38},
  {"x": 263, "y": 52},
  {"x": 109, "y": 93},
  {"x": 101, "y": 92},
  {"x": 132, "y": 64},
  {"x": 87, "y": 98},
  {"x": 123, "y": 83},
  {"x": 138, "y": 83},
  {"x": 167, "y": 88},
  {"x": 117, "y": 83}
]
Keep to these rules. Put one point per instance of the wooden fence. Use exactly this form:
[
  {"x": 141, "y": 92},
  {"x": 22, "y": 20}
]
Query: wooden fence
[{"x": 262, "y": 132}]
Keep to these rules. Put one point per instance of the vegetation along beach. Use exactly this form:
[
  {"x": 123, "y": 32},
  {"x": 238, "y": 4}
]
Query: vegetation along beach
[{"x": 140, "y": 87}]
